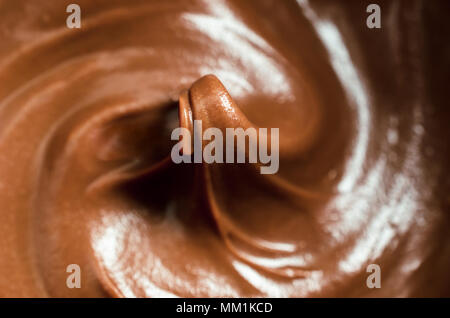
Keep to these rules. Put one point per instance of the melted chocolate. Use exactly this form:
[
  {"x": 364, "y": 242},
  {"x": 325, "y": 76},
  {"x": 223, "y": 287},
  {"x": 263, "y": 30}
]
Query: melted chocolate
[{"x": 86, "y": 176}]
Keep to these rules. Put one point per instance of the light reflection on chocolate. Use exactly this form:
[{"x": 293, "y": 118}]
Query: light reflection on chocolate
[{"x": 85, "y": 170}]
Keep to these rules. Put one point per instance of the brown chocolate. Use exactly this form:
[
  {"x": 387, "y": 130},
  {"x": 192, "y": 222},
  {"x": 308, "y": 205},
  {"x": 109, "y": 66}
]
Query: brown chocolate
[{"x": 85, "y": 170}]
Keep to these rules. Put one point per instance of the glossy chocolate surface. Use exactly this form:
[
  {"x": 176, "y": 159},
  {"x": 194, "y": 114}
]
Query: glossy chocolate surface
[{"x": 86, "y": 176}]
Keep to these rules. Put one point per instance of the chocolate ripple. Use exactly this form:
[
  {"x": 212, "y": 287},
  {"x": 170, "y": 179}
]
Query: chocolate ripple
[{"x": 86, "y": 175}]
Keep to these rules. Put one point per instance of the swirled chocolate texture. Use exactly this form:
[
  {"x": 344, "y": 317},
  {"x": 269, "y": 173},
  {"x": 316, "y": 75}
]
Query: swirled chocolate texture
[{"x": 86, "y": 176}]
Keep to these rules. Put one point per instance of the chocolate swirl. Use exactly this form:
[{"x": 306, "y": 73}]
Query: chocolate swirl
[{"x": 86, "y": 176}]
